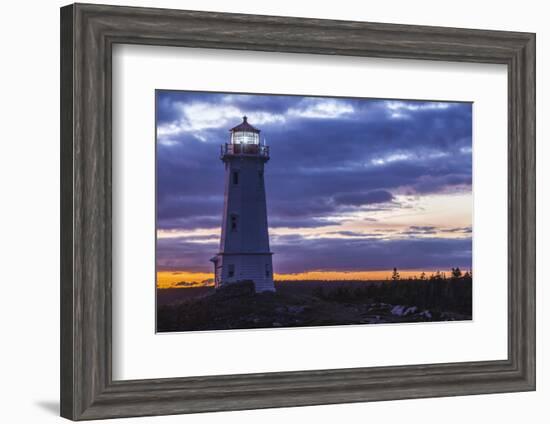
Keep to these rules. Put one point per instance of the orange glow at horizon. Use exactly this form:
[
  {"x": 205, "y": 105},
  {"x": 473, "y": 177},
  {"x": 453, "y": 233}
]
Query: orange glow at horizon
[{"x": 170, "y": 279}]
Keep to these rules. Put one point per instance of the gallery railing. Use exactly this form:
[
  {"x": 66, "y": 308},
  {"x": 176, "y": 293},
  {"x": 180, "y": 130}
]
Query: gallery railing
[{"x": 244, "y": 149}]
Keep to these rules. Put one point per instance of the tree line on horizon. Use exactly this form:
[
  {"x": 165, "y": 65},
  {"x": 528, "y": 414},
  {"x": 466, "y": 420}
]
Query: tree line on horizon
[
  {"x": 438, "y": 293},
  {"x": 456, "y": 273}
]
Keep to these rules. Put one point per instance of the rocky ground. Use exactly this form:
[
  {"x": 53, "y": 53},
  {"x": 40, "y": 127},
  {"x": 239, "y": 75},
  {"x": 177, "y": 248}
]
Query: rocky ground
[{"x": 238, "y": 307}]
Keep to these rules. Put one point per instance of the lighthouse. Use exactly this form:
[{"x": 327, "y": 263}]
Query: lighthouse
[{"x": 244, "y": 253}]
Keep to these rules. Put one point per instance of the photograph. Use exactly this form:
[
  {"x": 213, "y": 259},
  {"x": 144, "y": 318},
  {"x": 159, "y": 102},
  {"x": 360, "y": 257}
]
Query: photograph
[{"x": 298, "y": 211}]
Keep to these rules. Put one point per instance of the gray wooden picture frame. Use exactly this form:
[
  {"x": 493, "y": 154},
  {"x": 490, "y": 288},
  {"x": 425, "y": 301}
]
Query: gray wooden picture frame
[{"x": 88, "y": 33}]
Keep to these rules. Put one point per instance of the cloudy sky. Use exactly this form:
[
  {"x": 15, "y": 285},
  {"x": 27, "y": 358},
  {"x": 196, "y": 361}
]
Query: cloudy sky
[{"x": 354, "y": 187}]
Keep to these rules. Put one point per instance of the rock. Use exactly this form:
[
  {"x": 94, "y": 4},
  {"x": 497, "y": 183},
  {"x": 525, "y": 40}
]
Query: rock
[
  {"x": 403, "y": 311},
  {"x": 426, "y": 314}
]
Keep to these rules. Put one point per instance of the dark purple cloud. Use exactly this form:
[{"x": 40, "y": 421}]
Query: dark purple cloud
[
  {"x": 369, "y": 253},
  {"x": 294, "y": 253},
  {"x": 415, "y": 230},
  {"x": 363, "y": 198}
]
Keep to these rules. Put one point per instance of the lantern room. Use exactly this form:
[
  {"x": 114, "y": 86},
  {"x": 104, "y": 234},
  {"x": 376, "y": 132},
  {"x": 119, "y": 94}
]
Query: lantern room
[{"x": 244, "y": 133}]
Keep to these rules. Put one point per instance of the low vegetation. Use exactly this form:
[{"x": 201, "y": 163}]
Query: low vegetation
[{"x": 317, "y": 303}]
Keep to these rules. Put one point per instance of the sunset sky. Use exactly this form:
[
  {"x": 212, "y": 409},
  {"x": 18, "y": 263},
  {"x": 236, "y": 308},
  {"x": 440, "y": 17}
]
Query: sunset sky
[{"x": 354, "y": 187}]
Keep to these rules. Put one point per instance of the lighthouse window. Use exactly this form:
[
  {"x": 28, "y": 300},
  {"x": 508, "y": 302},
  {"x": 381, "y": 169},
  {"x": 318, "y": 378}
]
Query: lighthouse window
[
  {"x": 245, "y": 137},
  {"x": 267, "y": 270},
  {"x": 235, "y": 177},
  {"x": 231, "y": 270},
  {"x": 234, "y": 222}
]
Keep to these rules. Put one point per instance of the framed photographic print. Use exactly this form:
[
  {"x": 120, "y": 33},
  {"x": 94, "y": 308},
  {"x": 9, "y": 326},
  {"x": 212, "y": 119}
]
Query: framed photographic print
[{"x": 263, "y": 211}]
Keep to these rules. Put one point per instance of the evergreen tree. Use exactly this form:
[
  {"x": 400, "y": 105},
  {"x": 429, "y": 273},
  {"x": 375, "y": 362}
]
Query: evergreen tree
[
  {"x": 436, "y": 276},
  {"x": 395, "y": 275},
  {"x": 456, "y": 272}
]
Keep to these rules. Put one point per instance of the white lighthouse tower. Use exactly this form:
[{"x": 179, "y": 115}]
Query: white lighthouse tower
[{"x": 244, "y": 247}]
